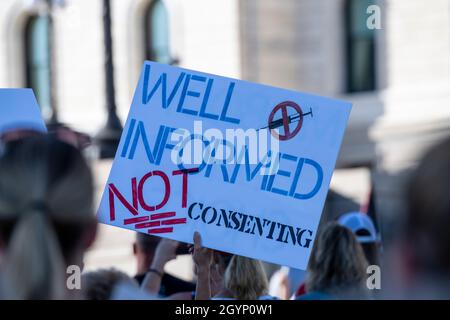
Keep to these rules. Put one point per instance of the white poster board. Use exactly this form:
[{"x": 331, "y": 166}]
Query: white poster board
[{"x": 187, "y": 161}]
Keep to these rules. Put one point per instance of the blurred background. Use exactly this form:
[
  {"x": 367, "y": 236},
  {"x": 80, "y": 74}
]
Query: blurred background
[{"x": 83, "y": 58}]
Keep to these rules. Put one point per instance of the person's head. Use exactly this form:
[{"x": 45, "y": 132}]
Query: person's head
[
  {"x": 144, "y": 249},
  {"x": 337, "y": 264},
  {"x": 245, "y": 278},
  {"x": 363, "y": 228},
  {"x": 427, "y": 232},
  {"x": 46, "y": 215},
  {"x": 100, "y": 284}
]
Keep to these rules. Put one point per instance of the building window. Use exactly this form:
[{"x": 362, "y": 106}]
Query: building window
[
  {"x": 157, "y": 33},
  {"x": 360, "y": 47},
  {"x": 38, "y": 64}
]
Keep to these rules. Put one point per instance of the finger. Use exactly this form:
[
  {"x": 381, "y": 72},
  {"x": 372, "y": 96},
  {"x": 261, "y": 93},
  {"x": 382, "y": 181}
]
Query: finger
[{"x": 197, "y": 241}]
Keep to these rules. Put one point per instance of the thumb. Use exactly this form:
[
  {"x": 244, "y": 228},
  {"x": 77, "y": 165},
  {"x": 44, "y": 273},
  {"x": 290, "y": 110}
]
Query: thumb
[{"x": 197, "y": 240}]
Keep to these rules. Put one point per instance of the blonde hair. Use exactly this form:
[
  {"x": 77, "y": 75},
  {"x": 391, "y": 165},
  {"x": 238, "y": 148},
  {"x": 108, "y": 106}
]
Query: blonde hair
[
  {"x": 46, "y": 200},
  {"x": 245, "y": 278},
  {"x": 337, "y": 264}
]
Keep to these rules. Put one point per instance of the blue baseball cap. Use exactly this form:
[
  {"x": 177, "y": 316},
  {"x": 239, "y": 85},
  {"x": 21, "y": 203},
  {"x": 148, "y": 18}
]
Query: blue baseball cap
[{"x": 361, "y": 225}]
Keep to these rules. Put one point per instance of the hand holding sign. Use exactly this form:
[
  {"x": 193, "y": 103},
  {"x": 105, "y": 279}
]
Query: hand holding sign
[{"x": 202, "y": 256}]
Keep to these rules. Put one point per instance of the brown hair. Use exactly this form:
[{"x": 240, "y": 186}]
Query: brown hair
[{"x": 337, "y": 263}]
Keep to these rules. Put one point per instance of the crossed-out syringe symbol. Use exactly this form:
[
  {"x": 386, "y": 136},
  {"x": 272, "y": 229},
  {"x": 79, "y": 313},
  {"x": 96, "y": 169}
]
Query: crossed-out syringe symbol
[{"x": 290, "y": 119}]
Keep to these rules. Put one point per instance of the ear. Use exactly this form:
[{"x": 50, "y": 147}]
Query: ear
[{"x": 89, "y": 235}]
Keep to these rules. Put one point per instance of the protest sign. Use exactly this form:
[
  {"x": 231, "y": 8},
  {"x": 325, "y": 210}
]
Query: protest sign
[
  {"x": 19, "y": 110},
  {"x": 246, "y": 165}
]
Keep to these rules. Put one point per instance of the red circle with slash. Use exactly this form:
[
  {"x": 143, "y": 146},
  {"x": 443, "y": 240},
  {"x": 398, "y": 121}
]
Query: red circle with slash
[{"x": 288, "y": 134}]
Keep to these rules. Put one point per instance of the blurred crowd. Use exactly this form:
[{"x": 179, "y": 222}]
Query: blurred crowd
[{"x": 47, "y": 222}]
